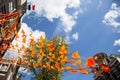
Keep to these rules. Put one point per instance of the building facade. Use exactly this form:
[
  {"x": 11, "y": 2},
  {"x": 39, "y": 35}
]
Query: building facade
[
  {"x": 8, "y": 70},
  {"x": 113, "y": 61},
  {"x": 11, "y": 12}
]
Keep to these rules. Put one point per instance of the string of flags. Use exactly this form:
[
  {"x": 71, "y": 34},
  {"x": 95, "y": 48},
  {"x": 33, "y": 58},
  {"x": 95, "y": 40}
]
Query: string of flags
[{"x": 31, "y": 7}]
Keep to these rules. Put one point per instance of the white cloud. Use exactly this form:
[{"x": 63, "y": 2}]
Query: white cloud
[
  {"x": 67, "y": 22},
  {"x": 76, "y": 14},
  {"x": 57, "y": 9},
  {"x": 119, "y": 50},
  {"x": 110, "y": 19},
  {"x": 35, "y": 34},
  {"x": 117, "y": 42},
  {"x": 75, "y": 36},
  {"x": 111, "y": 15},
  {"x": 99, "y": 4},
  {"x": 52, "y": 9}
]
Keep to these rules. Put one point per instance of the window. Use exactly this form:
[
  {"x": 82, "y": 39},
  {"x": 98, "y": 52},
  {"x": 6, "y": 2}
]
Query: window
[
  {"x": 3, "y": 9},
  {"x": 11, "y": 7},
  {"x": 4, "y": 67},
  {"x": 0, "y": 35}
]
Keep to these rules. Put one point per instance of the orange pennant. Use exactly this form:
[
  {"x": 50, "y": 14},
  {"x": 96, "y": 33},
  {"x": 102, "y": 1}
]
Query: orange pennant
[
  {"x": 90, "y": 62},
  {"x": 75, "y": 55},
  {"x": 72, "y": 71}
]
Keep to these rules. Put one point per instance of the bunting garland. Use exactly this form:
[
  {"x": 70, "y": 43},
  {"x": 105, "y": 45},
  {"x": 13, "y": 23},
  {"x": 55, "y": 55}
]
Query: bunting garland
[{"x": 52, "y": 56}]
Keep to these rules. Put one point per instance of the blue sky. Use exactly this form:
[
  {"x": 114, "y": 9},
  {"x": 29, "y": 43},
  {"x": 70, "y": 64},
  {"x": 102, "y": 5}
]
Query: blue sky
[{"x": 90, "y": 26}]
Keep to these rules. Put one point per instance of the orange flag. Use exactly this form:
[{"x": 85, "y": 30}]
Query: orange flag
[
  {"x": 41, "y": 38},
  {"x": 57, "y": 65},
  {"x": 73, "y": 62},
  {"x": 72, "y": 71},
  {"x": 50, "y": 46},
  {"x": 32, "y": 41},
  {"x": 75, "y": 55},
  {"x": 85, "y": 72},
  {"x": 90, "y": 62},
  {"x": 26, "y": 52},
  {"x": 63, "y": 50},
  {"x": 80, "y": 68},
  {"x": 40, "y": 45},
  {"x": 23, "y": 32},
  {"x": 67, "y": 67},
  {"x": 105, "y": 68},
  {"x": 33, "y": 53},
  {"x": 16, "y": 37},
  {"x": 24, "y": 40}
]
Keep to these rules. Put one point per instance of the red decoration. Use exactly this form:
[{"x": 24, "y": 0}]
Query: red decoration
[
  {"x": 33, "y": 7},
  {"x": 105, "y": 68},
  {"x": 90, "y": 62}
]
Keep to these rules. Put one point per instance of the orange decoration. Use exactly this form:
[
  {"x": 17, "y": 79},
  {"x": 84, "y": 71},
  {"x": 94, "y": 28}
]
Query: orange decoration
[
  {"x": 57, "y": 65},
  {"x": 40, "y": 64},
  {"x": 63, "y": 50},
  {"x": 24, "y": 40},
  {"x": 80, "y": 68},
  {"x": 105, "y": 68},
  {"x": 33, "y": 53},
  {"x": 90, "y": 62},
  {"x": 29, "y": 64},
  {"x": 85, "y": 72},
  {"x": 52, "y": 67},
  {"x": 35, "y": 65},
  {"x": 9, "y": 35},
  {"x": 26, "y": 52},
  {"x": 50, "y": 59},
  {"x": 14, "y": 28},
  {"x": 31, "y": 41},
  {"x": 41, "y": 38},
  {"x": 46, "y": 56},
  {"x": 23, "y": 32},
  {"x": 48, "y": 65},
  {"x": 16, "y": 37},
  {"x": 65, "y": 59},
  {"x": 75, "y": 55},
  {"x": 23, "y": 46},
  {"x": 50, "y": 46},
  {"x": 40, "y": 45},
  {"x": 73, "y": 62},
  {"x": 72, "y": 71},
  {"x": 67, "y": 67},
  {"x": 79, "y": 61},
  {"x": 53, "y": 56},
  {"x": 16, "y": 32},
  {"x": 12, "y": 46},
  {"x": 19, "y": 51},
  {"x": 0, "y": 58}
]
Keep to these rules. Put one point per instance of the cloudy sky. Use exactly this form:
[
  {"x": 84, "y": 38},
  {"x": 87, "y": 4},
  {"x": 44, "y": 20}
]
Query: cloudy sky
[{"x": 90, "y": 26}]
